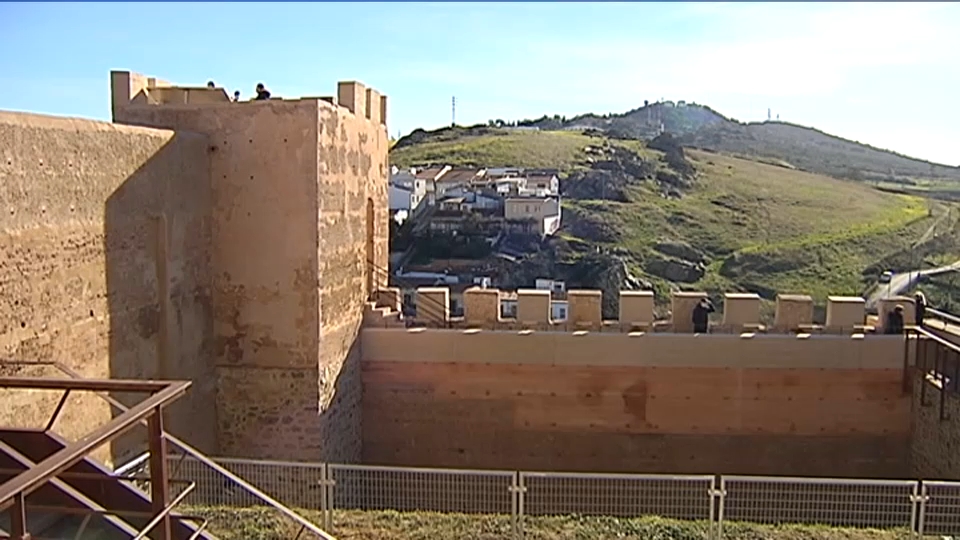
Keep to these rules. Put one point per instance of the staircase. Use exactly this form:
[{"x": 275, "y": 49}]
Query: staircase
[
  {"x": 51, "y": 489},
  {"x": 63, "y": 509}
]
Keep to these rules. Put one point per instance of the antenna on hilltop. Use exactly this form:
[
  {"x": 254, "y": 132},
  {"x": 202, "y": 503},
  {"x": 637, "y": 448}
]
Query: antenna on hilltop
[
  {"x": 453, "y": 111},
  {"x": 768, "y": 114}
]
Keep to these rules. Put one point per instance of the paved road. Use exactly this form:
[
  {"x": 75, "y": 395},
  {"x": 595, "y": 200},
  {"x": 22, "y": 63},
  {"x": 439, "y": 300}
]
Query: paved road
[{"x": 905, "y": 280}]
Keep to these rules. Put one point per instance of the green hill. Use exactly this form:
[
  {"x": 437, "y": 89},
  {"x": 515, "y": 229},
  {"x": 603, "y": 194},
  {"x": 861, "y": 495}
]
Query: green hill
[
  {"x": 735, "y": 224},
  {"x": 806, "y": 148},
  {"x": 814, "y": 150}
]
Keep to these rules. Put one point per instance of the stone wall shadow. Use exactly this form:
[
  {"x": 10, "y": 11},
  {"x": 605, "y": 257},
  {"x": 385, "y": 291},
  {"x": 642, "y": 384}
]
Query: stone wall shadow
[
  {"x": 342, "y": 422},
  {"x": 168, "y": 195}
]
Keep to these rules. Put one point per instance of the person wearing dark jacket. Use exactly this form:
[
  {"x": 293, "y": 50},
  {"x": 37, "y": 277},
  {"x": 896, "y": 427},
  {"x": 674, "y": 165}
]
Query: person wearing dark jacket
[
  {"x": 894, "y": 323},
  {"x": 920, "y": 306},
  {"x": 262, "y": 92},
  {"x": 701, "y": 316}
]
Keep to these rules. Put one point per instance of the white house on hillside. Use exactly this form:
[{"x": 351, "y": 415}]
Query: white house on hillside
[
  {"x": 405, "y": 192},
  {"x": 544, "y": 211}
]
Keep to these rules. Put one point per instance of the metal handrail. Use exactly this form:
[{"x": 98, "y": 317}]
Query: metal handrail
[
  {"x": 939, "y": 340},
  {"x": 34, "y": 478},
  {"x": 165, "y": 512},
  {"x": 953, "y": 319},
  {"x": 196, "y": 454}
]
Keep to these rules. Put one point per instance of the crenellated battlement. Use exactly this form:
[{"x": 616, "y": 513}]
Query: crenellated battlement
[
  {"x": 739, "y": 312},
  {"x": 129, "y": 89}
]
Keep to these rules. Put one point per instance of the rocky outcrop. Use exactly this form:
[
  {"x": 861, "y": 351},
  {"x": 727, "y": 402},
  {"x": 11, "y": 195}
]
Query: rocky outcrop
[
  {"x": 680, "y": 250},
  {"x": 743, "y": 264},
  {"x": 674, "y": 269},
  {"x": 612, "y": 170},
  {"x": 603, "y": 271},
  {"x": 589, "y": 226},
  {"x": 673, "y": 156}
]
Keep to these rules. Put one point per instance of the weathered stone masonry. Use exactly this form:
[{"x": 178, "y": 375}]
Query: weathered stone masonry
[
  {"x": 221, "y": 242},
  {"x": 292, "y": 183}
]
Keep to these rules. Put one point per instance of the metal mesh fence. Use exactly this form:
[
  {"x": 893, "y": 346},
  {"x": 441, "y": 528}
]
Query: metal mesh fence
[
  {"x": 365, "y": 487},
  {"x": 837, "y": 502},
  {"x": 931, "y": 507},
  {"x": 296, "y": 485},
  {"x": 941, "y": 508},
  {"x": 618, "y": 495}
]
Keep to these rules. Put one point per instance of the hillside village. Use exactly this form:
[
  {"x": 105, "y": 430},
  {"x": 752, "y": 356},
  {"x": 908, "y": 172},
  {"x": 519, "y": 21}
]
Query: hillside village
[
  {"x": 446, "y": 212},
  {"x": 556, "y": 203}
]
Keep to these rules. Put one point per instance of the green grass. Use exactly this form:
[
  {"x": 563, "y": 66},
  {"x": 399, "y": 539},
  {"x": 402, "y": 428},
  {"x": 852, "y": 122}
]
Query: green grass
[
  {"x": 800, "y": 232},
  {"x": 263, "y": 524},
  {"x": 563, "y": 150},
  {"x": 785, "y": 230}
]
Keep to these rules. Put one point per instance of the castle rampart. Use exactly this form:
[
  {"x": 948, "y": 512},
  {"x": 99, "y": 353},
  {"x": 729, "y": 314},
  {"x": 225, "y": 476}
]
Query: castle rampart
[
  {"x": 224, "y": 242},
  {"x": 82, "y": 230},
  {"x": 299, "y": 205},
  {"x": 228, "y": 243},
  {"x": 635, "y": 394},
  {"x": 740, "y": 312}
]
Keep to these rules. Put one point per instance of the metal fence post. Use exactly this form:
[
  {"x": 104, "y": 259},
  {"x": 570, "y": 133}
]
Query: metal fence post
[
  {"x": 324, "y": 503},
  {"x": 718, "y": 495},
  {"x": 518, "y": 489},
  {"x": 921, "y": 508},
  {"x": 326, "y": 496},
  {"x": 915, "y": 526}
]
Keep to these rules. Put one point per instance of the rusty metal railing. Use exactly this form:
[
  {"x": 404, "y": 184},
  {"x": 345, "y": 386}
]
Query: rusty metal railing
[
  {"x": 157, "y": 454},
  {"x": 162, "y": 393},
  {"x": 936, "y": 361}
]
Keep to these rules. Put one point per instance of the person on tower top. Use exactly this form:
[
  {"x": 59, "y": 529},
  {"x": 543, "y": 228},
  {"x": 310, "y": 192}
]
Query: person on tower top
[
  {"x": 262, "y": 92},
  {"x": 920, "y": 306}
]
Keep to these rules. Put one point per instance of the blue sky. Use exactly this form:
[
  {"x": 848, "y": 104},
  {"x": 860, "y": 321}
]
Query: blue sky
[{"x": 885, "y": 74}]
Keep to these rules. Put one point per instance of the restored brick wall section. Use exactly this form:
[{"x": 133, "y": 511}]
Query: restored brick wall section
[
  {"x": 662, "y": 420},
  {"x": 666, "y": 404},
  {"x": 78, "y": 273}
]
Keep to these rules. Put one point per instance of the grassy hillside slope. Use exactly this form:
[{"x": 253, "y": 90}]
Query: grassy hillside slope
[
  {"x": 562, "y": 150},
  {"x": 814, "y": 150},
  {"x": 807, "y": 148},
  {"x": 758, "y": 226}
]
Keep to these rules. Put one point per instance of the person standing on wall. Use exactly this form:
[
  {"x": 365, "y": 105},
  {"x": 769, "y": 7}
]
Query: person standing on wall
[
  {"x": 701, "y": 316},
  {"x": 920, "y": 307},
  {"x": 894, "y": 323}
]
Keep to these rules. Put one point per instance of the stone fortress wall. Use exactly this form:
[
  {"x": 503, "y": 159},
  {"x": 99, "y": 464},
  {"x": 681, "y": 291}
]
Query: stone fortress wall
[
  {"x": 740, "y": 312},
  {"x": 299, "y": 204},
  {"x": 227, "y": 243},
  {"x": 81, "y": 234},
  {"x": 221, "y": 242},
  {"x": 635, "y": 394}
]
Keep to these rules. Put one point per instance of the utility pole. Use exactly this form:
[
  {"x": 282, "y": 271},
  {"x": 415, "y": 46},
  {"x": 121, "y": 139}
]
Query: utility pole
[{"x": 453, "y": 111}]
